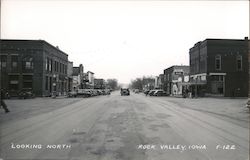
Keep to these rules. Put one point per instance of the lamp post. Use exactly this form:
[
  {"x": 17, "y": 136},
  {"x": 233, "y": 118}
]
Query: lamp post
[{"x": 54, "y": 86}]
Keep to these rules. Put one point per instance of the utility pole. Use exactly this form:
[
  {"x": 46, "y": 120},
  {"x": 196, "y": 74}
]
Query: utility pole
[{"x": 248, "y": 43}]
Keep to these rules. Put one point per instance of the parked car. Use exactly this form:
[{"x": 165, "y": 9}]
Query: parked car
[
  {"x": 160, "y": 93},
  {"x": 106, "y": 92},
  {"x": 125, "y": 92},
  {"x": 146, "y": 92},
  {"x": 72, "y": 94},
  {"x": 84, "y": 93},
  {"x": 25, "y": 93},
  {"x": 151, "y": 92},
  {"x": 136, "y": 90}
]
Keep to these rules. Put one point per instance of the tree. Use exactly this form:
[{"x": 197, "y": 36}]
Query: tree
[
  {"x": 112, "y": 83},
  {"x": 146, "y": 82}
]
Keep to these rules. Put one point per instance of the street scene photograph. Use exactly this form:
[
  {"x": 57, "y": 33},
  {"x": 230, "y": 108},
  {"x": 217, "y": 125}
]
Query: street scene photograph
[{"x": 124, "y": 80}]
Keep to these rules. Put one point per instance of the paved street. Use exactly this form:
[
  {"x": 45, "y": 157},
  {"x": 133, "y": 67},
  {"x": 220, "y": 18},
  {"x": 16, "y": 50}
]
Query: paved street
[{"x": 132, "y": 127}]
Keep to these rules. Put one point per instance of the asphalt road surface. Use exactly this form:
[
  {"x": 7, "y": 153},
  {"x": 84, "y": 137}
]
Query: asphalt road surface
[{"x": 118, "y": 127}]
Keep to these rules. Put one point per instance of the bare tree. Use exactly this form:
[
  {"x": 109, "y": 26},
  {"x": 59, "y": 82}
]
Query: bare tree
[{"x": 112, "y": 83}]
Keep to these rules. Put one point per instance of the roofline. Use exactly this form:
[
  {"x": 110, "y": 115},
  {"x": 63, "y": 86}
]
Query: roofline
[
  {"x": 177, "y": 66},
  {"x": 245, "y": 38},
  {"x": 90, "y": 72},
  {"x": 39, "y": 40}
]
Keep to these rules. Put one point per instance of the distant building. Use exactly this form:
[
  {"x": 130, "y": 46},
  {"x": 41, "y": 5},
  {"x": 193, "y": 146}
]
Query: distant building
[
  {"x": 99, "y": 83},
  {"x": 78, "y": 77},
  {"x": 90, "y": 79},
  {"x": 219, "y": 67},
  {"x": 174, "y": 78},
  {"x": 159, "y": 80},
  {"x": 156, "y": 86},
  {"x": 33, "y": 65},
  {"x": 70, "y": 76}
]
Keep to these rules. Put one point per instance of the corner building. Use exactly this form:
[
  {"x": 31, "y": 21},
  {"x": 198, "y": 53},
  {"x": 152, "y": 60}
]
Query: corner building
[
  {"x": 219, "y": 67},
  {"x": 35, "y": 65}
]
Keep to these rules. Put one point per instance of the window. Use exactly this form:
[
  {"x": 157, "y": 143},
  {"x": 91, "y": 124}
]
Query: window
[
  {"x": 51, "y": 62},
  {"x": 13, "y": 82},
  {"x": 239, "y": 62},
  {"x": 47, "y": 64},
  {"x": 60, "y": 67},
  {"x": 28, "y": 62},
  {"x": 218, "y": 62},
  {"x": 27, "y": 81},
  {"x": 14, "y": 60},
  {"x": 3, "y": 62},
  {"x": 66, "y": 67}
]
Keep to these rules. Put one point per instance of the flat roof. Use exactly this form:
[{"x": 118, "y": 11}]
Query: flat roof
[{"x": 39, "y": 40}]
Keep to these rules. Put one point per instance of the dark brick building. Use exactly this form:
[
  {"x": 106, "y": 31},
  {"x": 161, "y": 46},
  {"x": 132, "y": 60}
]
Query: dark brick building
[
  {"x": 34, "y": 65},
  {"x": 220, "y": 67},
  {"x": 99, "y": 83},
  {"x": 174, "y": 77}
]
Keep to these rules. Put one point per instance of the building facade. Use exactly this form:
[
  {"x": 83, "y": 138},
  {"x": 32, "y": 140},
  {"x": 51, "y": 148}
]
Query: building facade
[
  {"x": 35, "y": 65},
  {"x": 159, "y": 80},
  {"x": 78, "y": 77},
  {"x": 219, "y": 67},
  {"x": 70, "y": 76},
  {"x": 174, "y": 78},
  {"x": 90, "y": 80},
  {"x": 99, "y": 83}
]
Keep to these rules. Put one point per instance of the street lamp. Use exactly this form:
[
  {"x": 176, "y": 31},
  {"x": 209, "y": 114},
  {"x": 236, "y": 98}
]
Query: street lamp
[{"x": 54, "y": 86}]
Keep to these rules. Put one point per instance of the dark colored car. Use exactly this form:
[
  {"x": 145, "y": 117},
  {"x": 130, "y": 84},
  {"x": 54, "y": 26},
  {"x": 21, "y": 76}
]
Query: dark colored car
[
  {"x": 25, "y": 93},
  {"x": 146, "y": 92},
  {"x": 160, "y": 93},
  {"x": 125, "y": 92},
  {"x": 151, "y": 92}
]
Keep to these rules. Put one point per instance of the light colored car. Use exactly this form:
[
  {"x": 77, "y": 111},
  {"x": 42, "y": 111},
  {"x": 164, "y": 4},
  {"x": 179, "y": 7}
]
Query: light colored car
[
  {"x": 151, "y": 92},
  {"x": 136, "y": 90}
]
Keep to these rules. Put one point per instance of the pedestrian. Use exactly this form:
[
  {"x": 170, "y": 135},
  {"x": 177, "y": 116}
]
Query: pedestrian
[{"x": 2, "y": 101}]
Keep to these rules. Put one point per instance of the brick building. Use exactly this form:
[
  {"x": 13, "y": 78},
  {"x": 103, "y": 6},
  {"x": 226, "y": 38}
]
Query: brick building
[
  {"x": 219, "y": 67},
  {"x": 174, "y": 78},
  {"x": 33, "y": 64},
  {"x": 99, "y": 83}
]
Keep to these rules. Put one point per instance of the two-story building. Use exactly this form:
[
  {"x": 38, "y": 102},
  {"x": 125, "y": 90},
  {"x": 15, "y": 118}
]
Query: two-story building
[
  {"x": 219, "y": 67},
  {"x": 90, "y": 80},
  {"x": 34, "y": 65},
  {"x": 70, "y": 76},
  {"x": 78, "y": 77},
  {"x": 174, "y": 77},
  {"x": 99, "y": 83},
  {"x": 159, "y": 80}
]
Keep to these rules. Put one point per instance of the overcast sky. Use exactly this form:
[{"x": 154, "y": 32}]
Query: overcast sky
[{"x": 124, "y": 39}]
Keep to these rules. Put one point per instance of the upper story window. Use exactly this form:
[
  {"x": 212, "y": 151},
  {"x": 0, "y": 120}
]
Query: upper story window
[
  {"x": 239, "y": 62},
  {"x": 50, "y": 67},
  {"x": 3, "y": 62},
  {"x": 46, "y": 64},
  {"x": 218, "y": 62},
  {"x": 28, "y": 62},
  {"x": 14, "y": 61}
]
